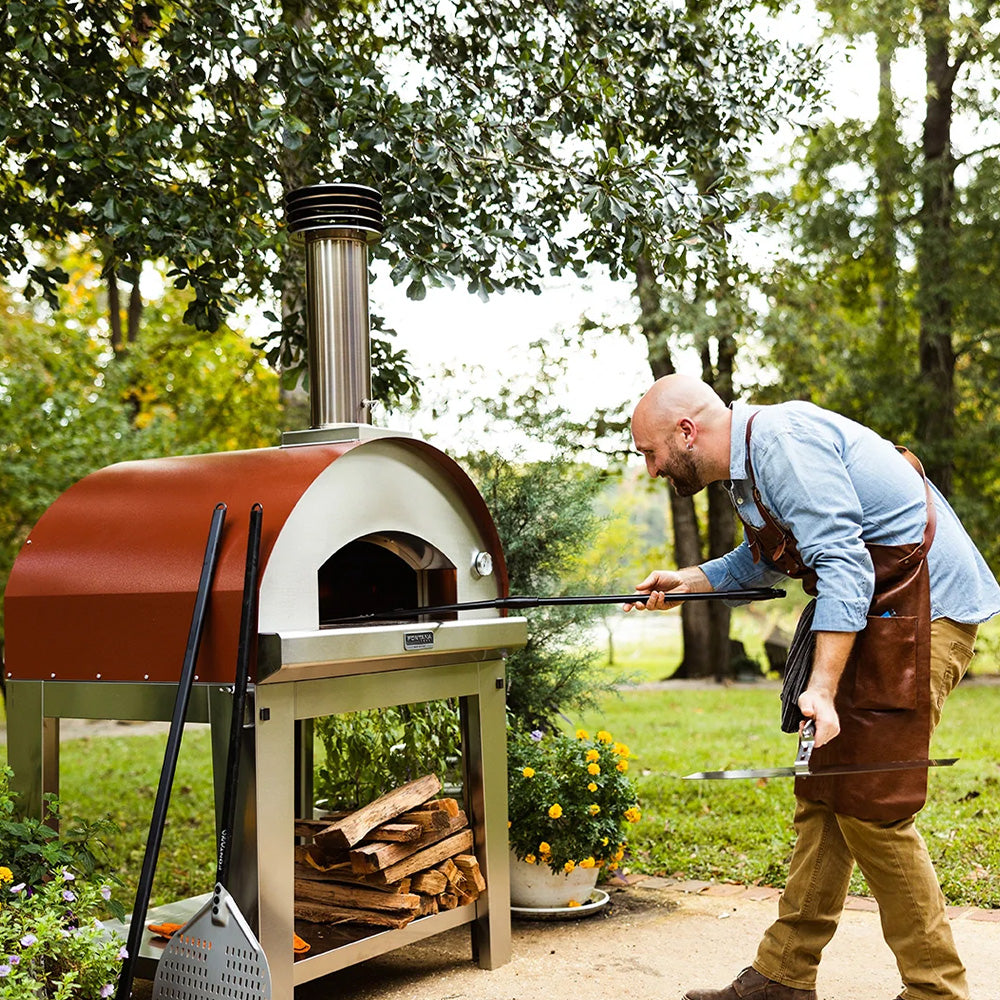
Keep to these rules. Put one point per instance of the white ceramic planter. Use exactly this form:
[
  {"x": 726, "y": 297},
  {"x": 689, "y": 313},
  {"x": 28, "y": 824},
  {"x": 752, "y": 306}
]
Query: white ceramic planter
[{"x": 538, "y": 886}]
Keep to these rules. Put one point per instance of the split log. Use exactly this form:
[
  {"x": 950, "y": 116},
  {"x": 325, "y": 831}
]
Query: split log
[
  {"x": 450, "y": 806},
  {"x": 369, "y": 858},
  {"x": 459, "y": 843},
  {"x": 349, "y": 830},
  {"x": 429, "y": 883},
  {"x": 399, "y": 832},
  {"x": 468, "y": 865},
  {"x": 348, "y": 877},
  {"x": 449, "y": 869},
  {"x": 319, "y": 913},
  {"x": 448, "y": 900},
  {"x": 338, "y": 894},
  {"x": 427, "y": 819}
]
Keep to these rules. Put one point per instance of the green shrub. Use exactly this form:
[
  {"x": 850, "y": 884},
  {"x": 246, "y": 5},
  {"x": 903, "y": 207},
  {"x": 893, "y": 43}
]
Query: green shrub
[
  {"x": 52, "y": 945},
  {"x": 369, "y": 752}
]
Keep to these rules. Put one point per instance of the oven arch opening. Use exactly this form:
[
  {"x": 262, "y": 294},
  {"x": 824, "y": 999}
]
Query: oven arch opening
[{"x": 383, "y": 571}]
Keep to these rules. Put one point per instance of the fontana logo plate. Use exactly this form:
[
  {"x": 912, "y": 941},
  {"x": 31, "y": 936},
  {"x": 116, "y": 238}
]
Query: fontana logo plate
[{"x": 418, "y": 640}]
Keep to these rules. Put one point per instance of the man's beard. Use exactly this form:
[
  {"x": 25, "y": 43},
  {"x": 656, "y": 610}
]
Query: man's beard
[{"x": 685, "y": 478}]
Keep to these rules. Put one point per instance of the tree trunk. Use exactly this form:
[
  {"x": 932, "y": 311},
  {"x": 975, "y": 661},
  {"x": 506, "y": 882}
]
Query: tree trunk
[
  {"x": 936, "y": 399},
  {"x": 134, "y": 313},
  {"x": 704, "y": 626},
  {"x": 115, "y": 314},
  {"x": 888, "y": 163},
  {"x": 721, "y": 523}
]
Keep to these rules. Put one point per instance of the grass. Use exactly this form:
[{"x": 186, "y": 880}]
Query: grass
[
  {"x": 741, "y": 830},
  {"x": 118, "y": 777},
  {"x": 728, "y": 831}
]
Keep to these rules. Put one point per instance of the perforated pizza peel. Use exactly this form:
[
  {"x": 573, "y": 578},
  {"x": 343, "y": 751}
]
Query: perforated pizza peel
[{"x": 216, "y": 954}]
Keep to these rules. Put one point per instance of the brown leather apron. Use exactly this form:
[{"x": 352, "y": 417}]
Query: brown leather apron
[{"x": 883, "y": 699}]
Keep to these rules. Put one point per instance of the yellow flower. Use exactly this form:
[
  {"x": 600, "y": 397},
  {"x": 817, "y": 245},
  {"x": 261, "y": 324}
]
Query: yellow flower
[
  {"x": 594, "y": 809},
  {"x": 622, "y": 765},
  {"x": 588, "y": 863},
  {"x": 529, "y": 859},
  {"x": 621, "y": 749},
  {"x": 592, "y": 787},
  {"x": 633, "y": 815},
  {"x": 555, "y": 811},
  {"x": 573, "y": 902},
  {"x": 528, "y": 772},
  {"x": 569, "y": 866},
  {"x": 543, "y": 847},
  {"x": 593, "y": 769},
  {"x": 604, "y": 736},
  {"x": 604, "y": 841},
  {"x": 593, "y": 755},
  {"x": 582, "y": 734},
  {"x": 6, "y": 875}
]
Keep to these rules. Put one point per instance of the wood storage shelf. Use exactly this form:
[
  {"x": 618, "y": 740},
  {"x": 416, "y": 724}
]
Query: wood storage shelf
[{"x": 408, "y": 854}]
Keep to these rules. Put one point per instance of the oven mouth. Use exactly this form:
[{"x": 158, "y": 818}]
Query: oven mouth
[{"x": 381, "y": 572}]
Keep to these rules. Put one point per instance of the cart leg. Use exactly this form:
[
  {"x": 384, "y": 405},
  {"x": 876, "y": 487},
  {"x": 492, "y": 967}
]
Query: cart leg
[
  {"x": 32, "y": 747},
  {"x": 484, "y": 737},
  {"x": 275, "y": 754}
]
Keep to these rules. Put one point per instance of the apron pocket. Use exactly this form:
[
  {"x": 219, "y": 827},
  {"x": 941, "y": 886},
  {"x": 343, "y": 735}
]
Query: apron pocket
[{"x": 885, "y": 655}]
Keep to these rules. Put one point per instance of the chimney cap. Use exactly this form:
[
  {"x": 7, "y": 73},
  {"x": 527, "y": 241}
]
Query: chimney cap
[{"x": 335, "y": 206}]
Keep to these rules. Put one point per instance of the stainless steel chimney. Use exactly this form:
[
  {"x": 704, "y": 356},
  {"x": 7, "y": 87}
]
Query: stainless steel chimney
[{"x": 336, "y": 223}]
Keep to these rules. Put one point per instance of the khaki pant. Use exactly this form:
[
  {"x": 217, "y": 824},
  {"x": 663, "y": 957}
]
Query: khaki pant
[{"x": 894, "y": 860}]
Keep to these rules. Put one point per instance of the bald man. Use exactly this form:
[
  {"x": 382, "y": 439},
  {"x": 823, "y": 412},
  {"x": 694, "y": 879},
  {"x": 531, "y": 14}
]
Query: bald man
[{"x": 898, "y": 590}]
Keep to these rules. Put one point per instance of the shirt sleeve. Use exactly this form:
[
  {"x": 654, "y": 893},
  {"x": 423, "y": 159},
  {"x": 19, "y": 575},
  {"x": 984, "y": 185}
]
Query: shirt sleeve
[
  {"x": 806, "y": 486},
  {"x": 737, "y": 570}
]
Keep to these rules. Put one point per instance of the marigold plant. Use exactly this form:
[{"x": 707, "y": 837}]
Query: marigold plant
[{"x": 570, "y": 802}]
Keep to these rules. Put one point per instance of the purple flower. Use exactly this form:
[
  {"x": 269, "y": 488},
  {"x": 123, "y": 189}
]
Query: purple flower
[
  {"x": 107, "y": 990},
  {"x": 28, "y": 940},
  {"x": 537, "y": 734},
  {"x": 68, "y": 876},
  {"x": 69, "y": 896},
  {"x": 15, "y": 889},
  {"x": 122, "y": 953},
  {"x": 4, "y": 971},
  {"x": 106, "y": 892},
  {"x": 14, "y": 959}
]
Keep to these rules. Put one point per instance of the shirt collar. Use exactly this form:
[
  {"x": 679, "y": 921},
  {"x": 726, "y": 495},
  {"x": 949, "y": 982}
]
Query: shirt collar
[{"x": 738, "y": 440}]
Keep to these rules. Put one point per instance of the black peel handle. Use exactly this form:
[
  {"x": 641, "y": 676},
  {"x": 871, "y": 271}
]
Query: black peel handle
[{"x": 247, "y": 630}]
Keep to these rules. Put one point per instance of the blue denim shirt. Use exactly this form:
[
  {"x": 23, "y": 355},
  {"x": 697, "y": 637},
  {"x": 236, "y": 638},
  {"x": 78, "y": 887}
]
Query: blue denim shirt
[{"x": 835, "y": 485}]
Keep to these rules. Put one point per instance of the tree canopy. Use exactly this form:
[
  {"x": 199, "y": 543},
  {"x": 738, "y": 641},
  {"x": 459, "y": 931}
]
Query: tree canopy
[
  {"x": 887, "y": 307},
  {"x": 508, "y": 139}
]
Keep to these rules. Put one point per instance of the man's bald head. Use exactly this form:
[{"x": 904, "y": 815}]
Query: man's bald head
[
  {"x": 676, "y": 396},
  {"x": 681, "y": 427}
]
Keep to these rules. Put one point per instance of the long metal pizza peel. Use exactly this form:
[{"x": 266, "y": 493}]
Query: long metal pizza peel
[{"x": 802, "y": 767}]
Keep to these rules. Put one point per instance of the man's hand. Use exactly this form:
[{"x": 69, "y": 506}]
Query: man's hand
[
  {"x": 662, "y": 582},
  {"x": 818, "y": 706},
  {"x": 816, "y": 702}
]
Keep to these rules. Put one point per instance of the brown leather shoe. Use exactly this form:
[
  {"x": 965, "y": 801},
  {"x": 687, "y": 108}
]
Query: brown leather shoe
[{"x": 751, "y": 985}]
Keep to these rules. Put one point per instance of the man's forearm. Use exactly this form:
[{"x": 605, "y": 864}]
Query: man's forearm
[{"x": 829, "y": 661}]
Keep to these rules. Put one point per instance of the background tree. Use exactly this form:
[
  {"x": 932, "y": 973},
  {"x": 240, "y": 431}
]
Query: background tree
[
  {"x": 592, "y": 135},
  {"x": 69, "y": 405},
  {"x": 504, "y": 146},
  {"x": 891, "y": 312}
]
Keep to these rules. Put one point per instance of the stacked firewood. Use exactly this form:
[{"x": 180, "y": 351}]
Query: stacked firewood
[{"x": 405, "y": 855}]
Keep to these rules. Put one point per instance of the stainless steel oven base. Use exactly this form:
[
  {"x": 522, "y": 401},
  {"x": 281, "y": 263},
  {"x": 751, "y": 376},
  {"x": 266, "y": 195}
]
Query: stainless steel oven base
[{"x": 467, "y": 665}]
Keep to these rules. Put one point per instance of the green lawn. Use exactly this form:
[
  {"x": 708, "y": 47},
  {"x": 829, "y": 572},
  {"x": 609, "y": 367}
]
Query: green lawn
[{"x": 741, "y": 830}]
